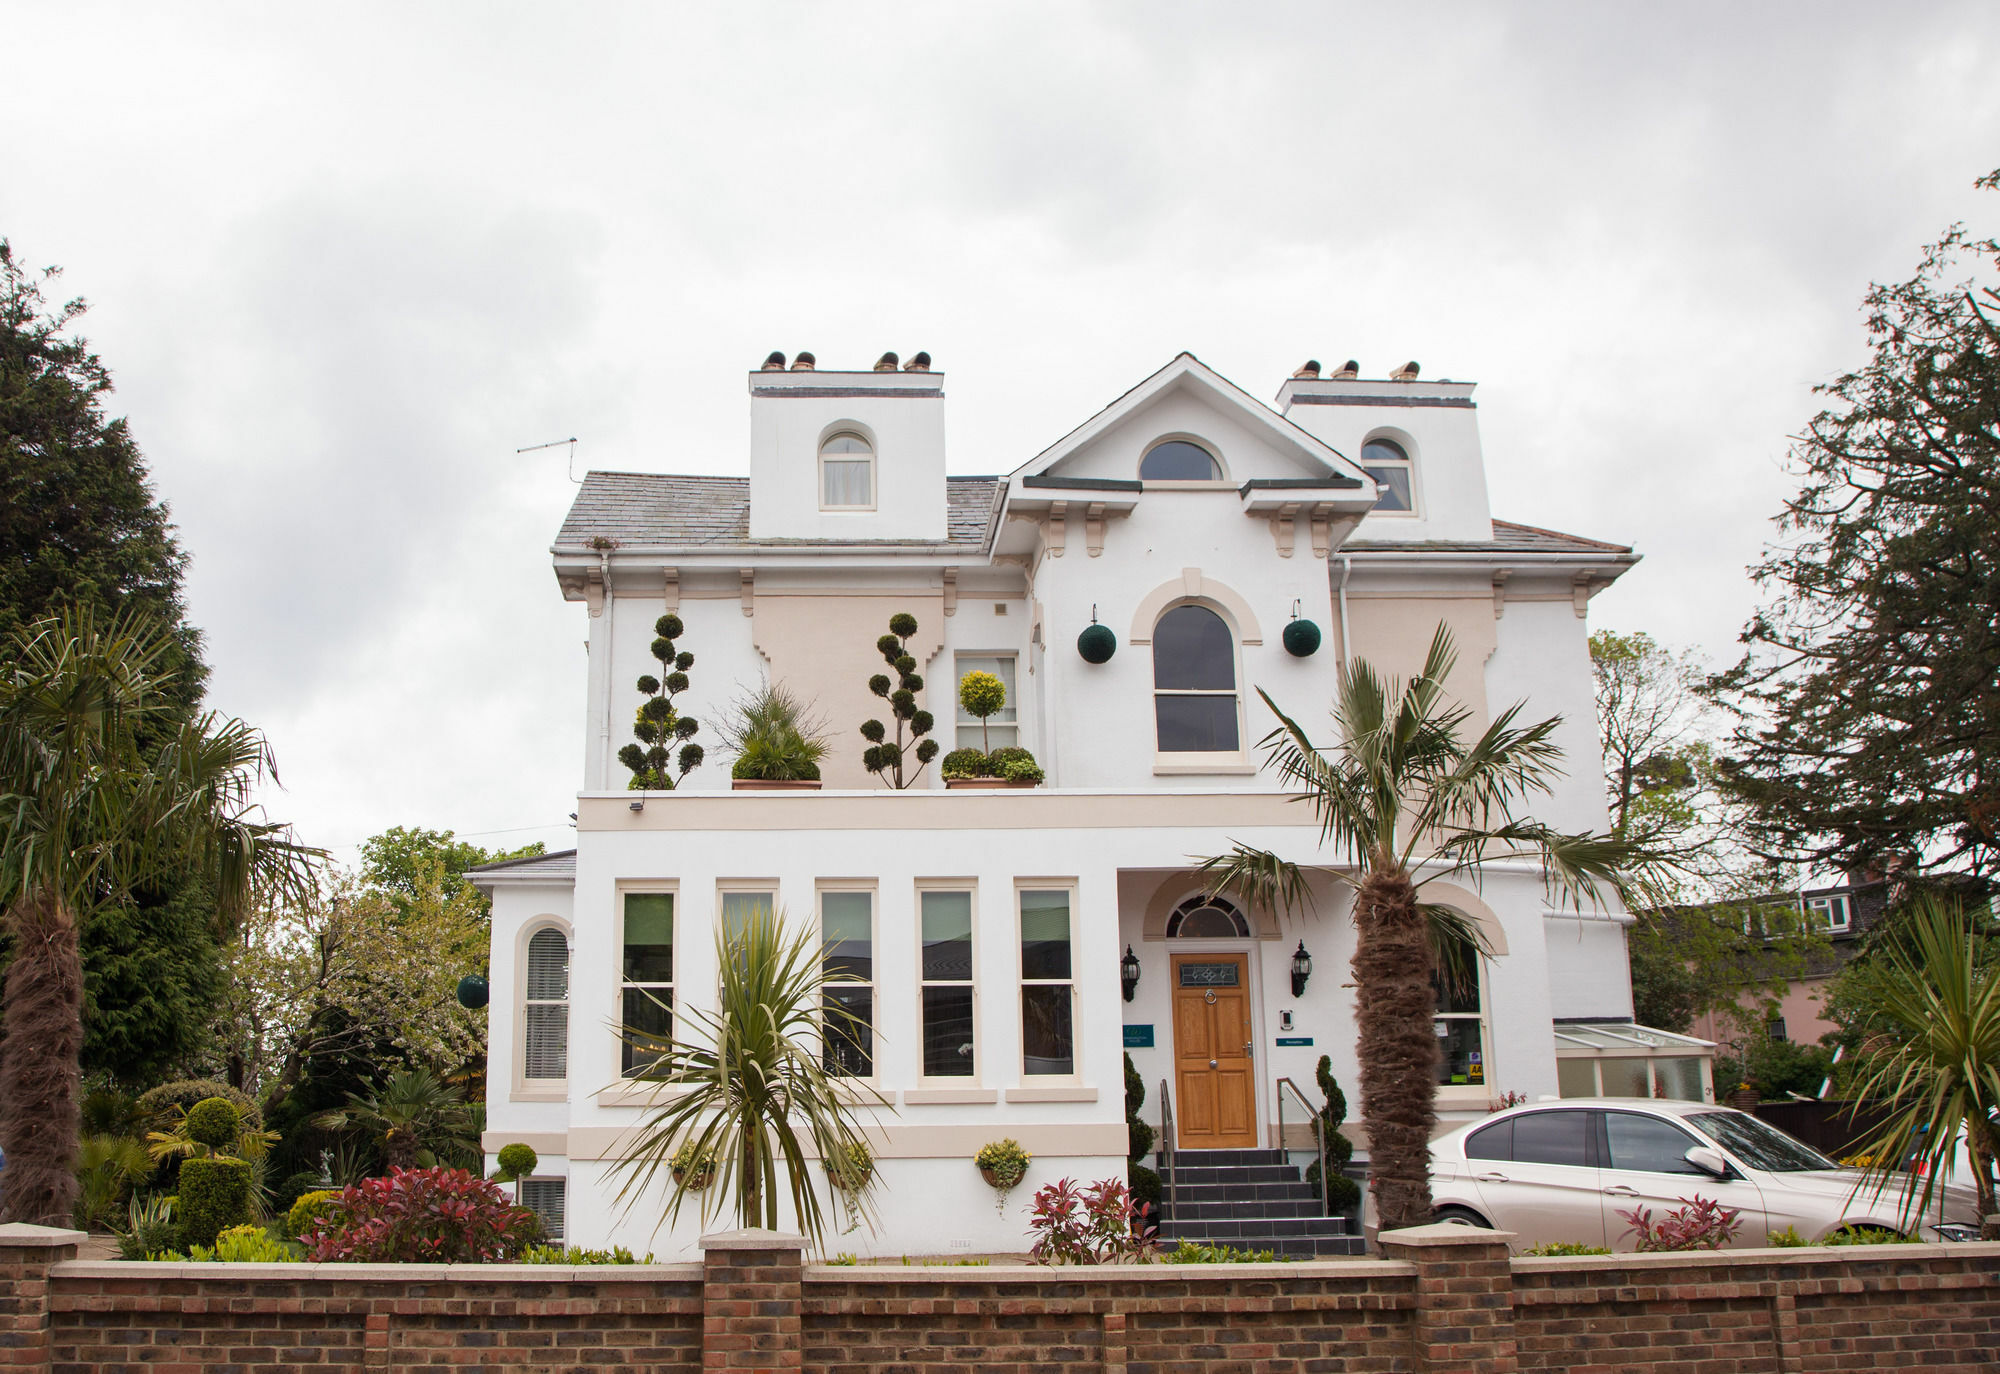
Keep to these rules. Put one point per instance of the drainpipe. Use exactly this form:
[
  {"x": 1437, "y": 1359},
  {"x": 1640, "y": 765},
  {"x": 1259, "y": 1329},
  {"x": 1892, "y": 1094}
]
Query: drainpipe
[
  {"x": 604, "y": 729},
  {"x": 1346, "y": 571}
]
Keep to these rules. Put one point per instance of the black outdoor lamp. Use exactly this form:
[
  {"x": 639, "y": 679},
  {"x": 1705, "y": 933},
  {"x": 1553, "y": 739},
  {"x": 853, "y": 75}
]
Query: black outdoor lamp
[
  {"x": 1128, "y": 972},
  {"x": 1302, "y": 969}
]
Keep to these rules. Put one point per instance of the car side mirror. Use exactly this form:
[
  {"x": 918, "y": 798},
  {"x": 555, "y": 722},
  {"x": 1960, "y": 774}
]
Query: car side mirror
[{"x": 1708, "y": 1161}]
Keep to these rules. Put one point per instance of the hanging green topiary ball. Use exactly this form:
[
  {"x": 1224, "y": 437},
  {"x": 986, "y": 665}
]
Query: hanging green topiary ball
[
  {"x": 1301, "y": 639},
  {"x": 1096, "y": 644},
  {"x": 472, "y": 992}
]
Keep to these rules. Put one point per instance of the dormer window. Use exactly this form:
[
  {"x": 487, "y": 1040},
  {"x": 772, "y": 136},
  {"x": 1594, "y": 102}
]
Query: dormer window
[
  {"x": 1177, "y": 460},
  {"x": 1388, "y": 462},
  {"x": 846, "y": 472}
]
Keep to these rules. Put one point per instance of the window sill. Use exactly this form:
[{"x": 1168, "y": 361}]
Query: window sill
[
  {"x": 1463, "y": 1094},
  {"x": 950, "y": 1097},
  {"x": 557, "y": 1092},
  {"x": 1051, "y": 1094},
  {"x": 1230, "y": 765}
]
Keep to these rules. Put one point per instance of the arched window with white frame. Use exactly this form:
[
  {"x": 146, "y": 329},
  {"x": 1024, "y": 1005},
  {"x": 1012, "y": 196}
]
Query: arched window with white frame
[
  {"x": 545, "y": 1008},
  {"x": 846, "y": 472},
  {"x": 1194, "y": 683},
  {"x": 1388, "y": 462}
]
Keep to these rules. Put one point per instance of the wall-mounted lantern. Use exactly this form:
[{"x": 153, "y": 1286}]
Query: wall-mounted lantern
[
  {"x": 472, "y": 992},
  {"x": 1128, "y": 972},
  {"x": 1301, "y": 636},
  {"x": 1096, "y": 644},
  {"x": 1302, "y": 969}
]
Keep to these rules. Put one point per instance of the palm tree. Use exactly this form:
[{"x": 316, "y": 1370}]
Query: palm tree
[
  {"x": 416, "y": 1115},
  {"x": 86, "y": 814},
  {"x": 1935, "y": 994},
  {"x": 1405, "y": 800},
  {"x": 751, "y": 1083}
]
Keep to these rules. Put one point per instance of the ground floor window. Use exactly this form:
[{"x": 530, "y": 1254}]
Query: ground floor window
[
  {"x": 1460, "y": 1022},
  {"x": 548, "y": 1199},
  {"x": 1048, "y": 994}
]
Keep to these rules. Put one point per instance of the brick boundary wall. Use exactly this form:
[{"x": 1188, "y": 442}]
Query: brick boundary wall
[{"x": 1448, "y": 1299}]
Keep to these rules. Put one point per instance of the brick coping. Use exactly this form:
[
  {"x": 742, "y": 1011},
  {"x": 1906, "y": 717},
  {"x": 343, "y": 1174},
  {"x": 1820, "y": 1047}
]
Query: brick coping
[
  {"x": 158, "y": 1271},
  {"x": 1764, "y": 1256},
  {"x": 1123, "y": 1273}
]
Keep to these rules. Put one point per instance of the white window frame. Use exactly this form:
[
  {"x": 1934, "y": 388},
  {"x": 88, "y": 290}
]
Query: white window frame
[
  {"x": 524, "y": 1088},
  {"x": 1067, "y": 886},
  {"x": 869, "y": 462},
  {"x": 965, "y": 728},
  {"x": 642, "y": 889},
  {"x": 1408, "y": 463},
  {"x": 1819, "y": 911},
  {"x": 1206, "y": 760},
  {"x": 874, "y": 982},
  {"x": 1483, "y": 1089},
  {"x": 976, "y": 1078}
]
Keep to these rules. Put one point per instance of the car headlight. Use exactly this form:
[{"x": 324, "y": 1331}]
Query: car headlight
[{"x": 1954, "y": 1230}]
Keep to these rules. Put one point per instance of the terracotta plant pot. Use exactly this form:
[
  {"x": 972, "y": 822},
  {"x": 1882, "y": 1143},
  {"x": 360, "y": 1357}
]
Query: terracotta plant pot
[
  {"x": 986, "y": 784},
  {"x": 695, "y": 1180},
  {"x": 775, "y": 784}
]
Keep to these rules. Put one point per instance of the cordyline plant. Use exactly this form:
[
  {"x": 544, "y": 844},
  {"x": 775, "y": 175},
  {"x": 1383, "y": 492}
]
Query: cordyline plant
[
  {"x": 422, "y": 1216},
  {"x": 750, "y": 1087},
  {"x": 1699, "y": 1223},
  {"x": 1404, "y": 798},
  {"x": 88, "y": 813}
]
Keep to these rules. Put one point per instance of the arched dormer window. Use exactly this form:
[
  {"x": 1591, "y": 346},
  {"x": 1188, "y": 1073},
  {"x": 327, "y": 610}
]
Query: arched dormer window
[
  {"x": 1204, "y": 917},
  {"x": 1194, "y": 683},
  {"x": 1177, "y": 460},
  {"x": 545, "y": 1007},
  {"x": 846, "y": 472},
  {"x": 1388, "y": 462}
]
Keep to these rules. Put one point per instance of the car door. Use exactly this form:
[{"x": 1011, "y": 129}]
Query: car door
[
  {"x": 1645, "y": 1166},
  {"x": 1546, "y": 1187}
]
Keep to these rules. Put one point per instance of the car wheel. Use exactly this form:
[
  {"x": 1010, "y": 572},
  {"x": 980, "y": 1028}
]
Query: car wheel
[{"x": 1461, "y": 1216}]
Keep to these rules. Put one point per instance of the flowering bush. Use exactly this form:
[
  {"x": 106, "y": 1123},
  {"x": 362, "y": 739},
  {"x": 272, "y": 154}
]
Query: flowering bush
[
  {"x": 1698, "y": 1224},
  {"x": 422, "y": 1216},
  {"x": 1094, "y": 1225}
]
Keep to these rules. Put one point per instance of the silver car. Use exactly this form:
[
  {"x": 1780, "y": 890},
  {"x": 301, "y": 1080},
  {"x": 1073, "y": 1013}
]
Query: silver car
[{"x": 1565, "y": 1171}]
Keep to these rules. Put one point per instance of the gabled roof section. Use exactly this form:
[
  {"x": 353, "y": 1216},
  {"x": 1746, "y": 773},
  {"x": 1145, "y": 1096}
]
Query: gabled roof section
[
  {"x": 1186, "y": 370},
  {"x": 556, "y": 868},
  {"x": 1508, "y": 537},
  {"x": 678, "y": 511}
]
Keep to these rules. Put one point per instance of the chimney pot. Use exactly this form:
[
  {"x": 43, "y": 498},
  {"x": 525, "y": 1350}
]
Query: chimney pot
[
  {"x": 1406, "y": 373},
  {"x": 1308, "y": 369},
  {"x": 919, "y": 362},
  {"x": 805, "y": 362},
  {"x": 886, "y": 363},
  {"x": 1349, "y": 370},
  {"x": 774, "y": 363}
]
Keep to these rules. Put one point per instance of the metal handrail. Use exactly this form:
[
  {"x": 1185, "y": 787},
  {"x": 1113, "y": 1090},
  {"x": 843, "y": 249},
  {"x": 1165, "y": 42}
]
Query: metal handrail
[
  {"x": 1167, "y": 1142},
  {"x": 1285, "y": 1085}
]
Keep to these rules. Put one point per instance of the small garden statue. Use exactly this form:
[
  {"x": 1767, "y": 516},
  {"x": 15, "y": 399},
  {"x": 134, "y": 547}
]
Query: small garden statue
[
  {"x": 658, "y": 725},
  {"x": 886, "y": 757}
]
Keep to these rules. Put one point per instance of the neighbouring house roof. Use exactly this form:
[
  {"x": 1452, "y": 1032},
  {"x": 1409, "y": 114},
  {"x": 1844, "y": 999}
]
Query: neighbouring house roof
[
  {"x": 559, "y": 867},
  {"x": 1622, "y": 1037},
  {"x": 678, "y": 510},
  {"x": 1508, "y": 537}
]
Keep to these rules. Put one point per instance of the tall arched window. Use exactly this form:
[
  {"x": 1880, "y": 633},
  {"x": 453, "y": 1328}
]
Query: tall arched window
[
  {"x": 1194, "y": 683},
  {"x": 1177, "y": 460},
  {"x": 545, "y": 1015},
  {"x": 846, "y": 472},
  {"x": 1388, "y": 462}
]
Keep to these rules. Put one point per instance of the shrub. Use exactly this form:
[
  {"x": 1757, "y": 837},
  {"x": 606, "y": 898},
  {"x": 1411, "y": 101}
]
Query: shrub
[
  {"x": 967, "y": 763},
  {"x": 1139, "y": 1138},
  {"x": 1008, "y": 753},
  {"x": 556, "y": 1254},
  {"x": 243, "y": 1245},
  {"x": 158, "y": 1103},
  {"x": 1021, "y": 770},
  {"x": 776, "y": 737},
  {"x": 110, "y": 1112},
  {"x": 1188, "y": 1252},
  {"x": 1342, "y": 1193},
  {"x": 1139, "y": 1135},
  {"x": 1867, "y": 1235},
  {"x": 107, "y": 1168},
  {"x": 1003, "y": 1162},
  {"x": 1094, "y": 1225},
  {"x": 1145, "y": 1186},
  {"x": 1550, "y": 1248},
  {"x": 293, "y": 1188},
  {"x": 150, "y": 1228},
  {"x": 215, "y": 1195},
  {"x": 308, "y": 1211},
  {"x": 423, "y": 1216},
  {"x": 214, "y": 1122},
  {"x": 516, "y": 1162},
  {"x": 1786, "y": 1239},
  {"x": 886, "y": 757},
  {"x": 1697, "y": 1224}
]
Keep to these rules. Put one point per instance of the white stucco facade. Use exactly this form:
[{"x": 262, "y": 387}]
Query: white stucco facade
[{"x": 771, "y": 586}]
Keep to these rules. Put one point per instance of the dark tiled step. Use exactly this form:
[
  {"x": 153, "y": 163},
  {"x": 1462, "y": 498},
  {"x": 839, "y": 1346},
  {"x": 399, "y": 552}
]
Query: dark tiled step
[
  {"x": 1253, "y": 1229},
  {"x": 1300, "y": 1193},
  {"x": 1252, "y": 1207},
  {"x": 1234, "y": 1173},
  {"x": 1213, "y": 1159}
]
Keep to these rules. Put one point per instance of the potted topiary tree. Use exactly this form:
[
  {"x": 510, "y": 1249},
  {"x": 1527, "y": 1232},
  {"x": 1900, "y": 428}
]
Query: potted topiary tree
[
  {"x": 886, "y": 757},
  {"x": 659, "y": 723},
  {"x": 981, "y": 695},
  {"x": 778, "y": 742}
]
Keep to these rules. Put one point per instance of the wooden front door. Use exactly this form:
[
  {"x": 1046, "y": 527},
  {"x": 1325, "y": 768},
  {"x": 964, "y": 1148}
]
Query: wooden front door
[{"x": 1215, "y": 1093}]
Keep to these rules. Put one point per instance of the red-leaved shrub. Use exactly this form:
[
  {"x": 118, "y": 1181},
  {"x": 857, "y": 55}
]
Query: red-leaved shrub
[
  {"x": 1094, "y": 1225},
  {"x": 422, "y": 1216},
  {"x": 1698, "y": 1224}
]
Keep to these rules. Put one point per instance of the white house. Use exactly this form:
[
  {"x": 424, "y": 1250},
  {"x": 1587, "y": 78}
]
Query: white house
[{"x": 1195, "y": 523}]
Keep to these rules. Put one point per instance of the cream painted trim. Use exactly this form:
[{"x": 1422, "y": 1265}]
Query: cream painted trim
[
  {"x": 1059, "y": 1140},
  {"x": 950, "y": 1097},
  {"x": 1193, "y": 586},
  {"x": 636, "y": 1093},
  {"x": 1463, "y": 1095},
  {"x": 541, "y": 1094},
  {"x": 544, "y": 1089},
  {"x": 1051, "y": 1094},
  {"x": 545, "y": 1143},
  {"x": 1472, "y": 904},
  {"x": 1037, "y": 808},
  {"x": 1231, "y": 768}
]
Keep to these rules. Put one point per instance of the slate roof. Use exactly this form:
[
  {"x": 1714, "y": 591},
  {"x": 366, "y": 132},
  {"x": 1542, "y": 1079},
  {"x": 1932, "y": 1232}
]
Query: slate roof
[
  {"x": 676, "y": 510},
  {"x": 1508, "y": 537},
  {"x": 557, "y": 867}
]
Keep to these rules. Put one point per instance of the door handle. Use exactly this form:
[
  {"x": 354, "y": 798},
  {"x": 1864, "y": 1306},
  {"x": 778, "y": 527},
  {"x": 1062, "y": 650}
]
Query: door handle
[
  {"x": 1620, "y": 1190},
  {"x": 1211, "y": 1063},
  {"x": 1489, "y": 1178},
  {"x": 1248, "y": 1045}
]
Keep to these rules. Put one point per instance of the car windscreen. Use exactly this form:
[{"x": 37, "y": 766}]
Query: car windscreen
[{"x": 1759, "y": 1144}]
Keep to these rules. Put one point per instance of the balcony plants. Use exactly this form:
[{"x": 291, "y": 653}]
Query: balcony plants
[
  {"x": 888, "y": 758},
  {"x": 658, "y": 724},
  {"x": 778, "y": 743},
  {"x": 1011, "y": 766}
]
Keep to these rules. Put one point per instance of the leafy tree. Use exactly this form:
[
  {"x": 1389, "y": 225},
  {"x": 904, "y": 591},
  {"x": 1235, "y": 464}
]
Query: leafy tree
[
  {"x": 1871, "y": 683},
  {"x": 1399, "y": 788},
  {"x": 886, "y": 757},
  {"x": 659, "y": 724},
  {"x": 85, "y": 816},
  {"x": 404, "y": 861},
  {"x": 1650, "y": 720},
  {"x": 80, "y": 526}
]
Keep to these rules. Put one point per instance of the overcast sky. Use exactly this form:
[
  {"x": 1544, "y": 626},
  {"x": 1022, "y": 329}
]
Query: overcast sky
[{"x": 345, "y": 261}]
